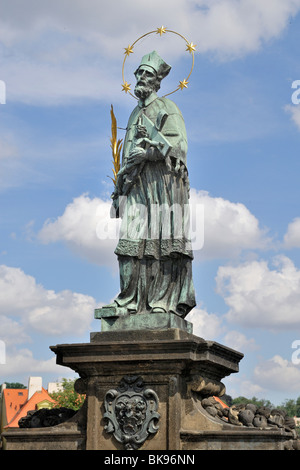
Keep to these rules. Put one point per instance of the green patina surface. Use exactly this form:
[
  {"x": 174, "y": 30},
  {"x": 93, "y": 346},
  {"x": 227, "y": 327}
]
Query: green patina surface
[{"x": 146, "y": 321}]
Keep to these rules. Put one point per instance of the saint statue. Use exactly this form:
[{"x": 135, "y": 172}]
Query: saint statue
[{"x": 152, "y": 198}]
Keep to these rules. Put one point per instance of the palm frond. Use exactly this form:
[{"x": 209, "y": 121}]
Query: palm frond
[{"x": 116, "y": 146}]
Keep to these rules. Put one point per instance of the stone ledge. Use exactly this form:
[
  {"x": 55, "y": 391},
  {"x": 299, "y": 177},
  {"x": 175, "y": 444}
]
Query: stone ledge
[
  {"x": 239, "y": 439},
  {"x": 167, "y": 349},
  {"x": 61, "y": 437}
]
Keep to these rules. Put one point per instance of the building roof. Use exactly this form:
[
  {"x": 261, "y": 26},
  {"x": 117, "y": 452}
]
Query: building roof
[
  {"x": 14, "y": 399},
  {"x": 17, "y": 405}
]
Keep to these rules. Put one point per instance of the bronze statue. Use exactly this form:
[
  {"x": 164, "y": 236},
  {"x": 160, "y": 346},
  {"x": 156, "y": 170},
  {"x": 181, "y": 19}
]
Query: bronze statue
[{"x": 152, "y": 197}]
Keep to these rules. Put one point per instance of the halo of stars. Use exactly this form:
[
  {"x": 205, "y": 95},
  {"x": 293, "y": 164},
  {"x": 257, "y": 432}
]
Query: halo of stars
[{"x": 190, "y": 47}]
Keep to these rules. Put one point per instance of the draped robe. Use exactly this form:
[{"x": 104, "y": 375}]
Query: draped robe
[{"x": 154, "y": 248}]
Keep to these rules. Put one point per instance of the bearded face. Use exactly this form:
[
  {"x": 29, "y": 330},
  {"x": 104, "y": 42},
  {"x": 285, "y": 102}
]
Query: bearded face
[{"x": 146, "y": 83}]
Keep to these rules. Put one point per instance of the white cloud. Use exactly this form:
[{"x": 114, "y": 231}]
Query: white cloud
[
  {"x": 32, "y": 306},
  {"x": 205, "y": 325},
  {"x": 86, "y": 227},
  {"x": 28, "y": 308},
  {"x": 23, "y": 362},
  {"x": 278, "y": 374},
  {"x": 65, "y": 48},
  {"x": 229, "y": 227},
  {"x": 249, "y": 389},
  {"x": 294, "y": 111},
  {"x": 239, "y": 385},
  {"x": 235, "y": 28},
  {"x": 12, "y": 332},
  {"x": 238, "y": 341},
  {"x": 81, "y": 226},
  {"x": 18, "y": 291},
  {"x": 226, "y": 25},
  {"x": 270, "y": 379},
  {"x": 292, "y": 236},
  {"x": 259, "y": 296}
]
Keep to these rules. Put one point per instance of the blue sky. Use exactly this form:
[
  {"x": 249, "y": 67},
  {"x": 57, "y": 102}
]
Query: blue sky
[{"x": 61, "y": 64}]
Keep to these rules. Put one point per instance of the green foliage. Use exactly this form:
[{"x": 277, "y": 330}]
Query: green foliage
[
  {"x": 14, "y": 385},
  {"x": 292, "y": 407},
  {"x": 68, "y": 397},
  {"x": 254, "y": 400}
]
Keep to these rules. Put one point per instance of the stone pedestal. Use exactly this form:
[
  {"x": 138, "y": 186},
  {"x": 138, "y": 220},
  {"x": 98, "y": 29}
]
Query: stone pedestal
[
  {"x": 145, "y": 380},
  {"x": 168, "y": 365}
]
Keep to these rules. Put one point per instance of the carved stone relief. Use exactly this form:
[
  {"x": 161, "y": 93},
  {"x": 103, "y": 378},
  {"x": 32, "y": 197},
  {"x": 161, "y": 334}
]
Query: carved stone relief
[{"x": 131, "y": 412}]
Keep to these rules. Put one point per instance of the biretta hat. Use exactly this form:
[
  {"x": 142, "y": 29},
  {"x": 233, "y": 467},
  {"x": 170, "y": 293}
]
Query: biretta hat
[{"x": 153, "y": 61}]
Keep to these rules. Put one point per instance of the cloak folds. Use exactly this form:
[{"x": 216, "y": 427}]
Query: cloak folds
[{"x": 154, "y": 248}]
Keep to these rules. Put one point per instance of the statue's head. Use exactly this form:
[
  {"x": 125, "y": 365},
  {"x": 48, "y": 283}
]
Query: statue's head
[{"x": 149, "y": 74}]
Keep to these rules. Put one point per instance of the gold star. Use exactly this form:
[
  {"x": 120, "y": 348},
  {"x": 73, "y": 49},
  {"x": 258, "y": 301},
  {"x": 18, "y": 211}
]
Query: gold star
[
  {"x": 128, "y": 50},
  {"x": 191, "y": 47},
  {"x": 161, "y": 30},
  {"x": 183, "y": 84},
  {"x": 126, "y": 87}
]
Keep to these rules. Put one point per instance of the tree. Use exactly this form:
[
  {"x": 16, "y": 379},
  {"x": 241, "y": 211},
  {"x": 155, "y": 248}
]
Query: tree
[
  {"x": 298, "y": 407},
  {"x": 292, "y": 407},
  {"x": 254, "y": 401},
  {"x": 68, "y": 397},
  {"x": 14, "y": 385}
]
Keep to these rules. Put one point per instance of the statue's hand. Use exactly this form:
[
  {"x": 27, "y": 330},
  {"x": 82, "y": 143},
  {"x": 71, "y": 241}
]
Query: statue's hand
[
  {"x": 136, "y": 156},
  {"x": 153, "y": 148}
]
